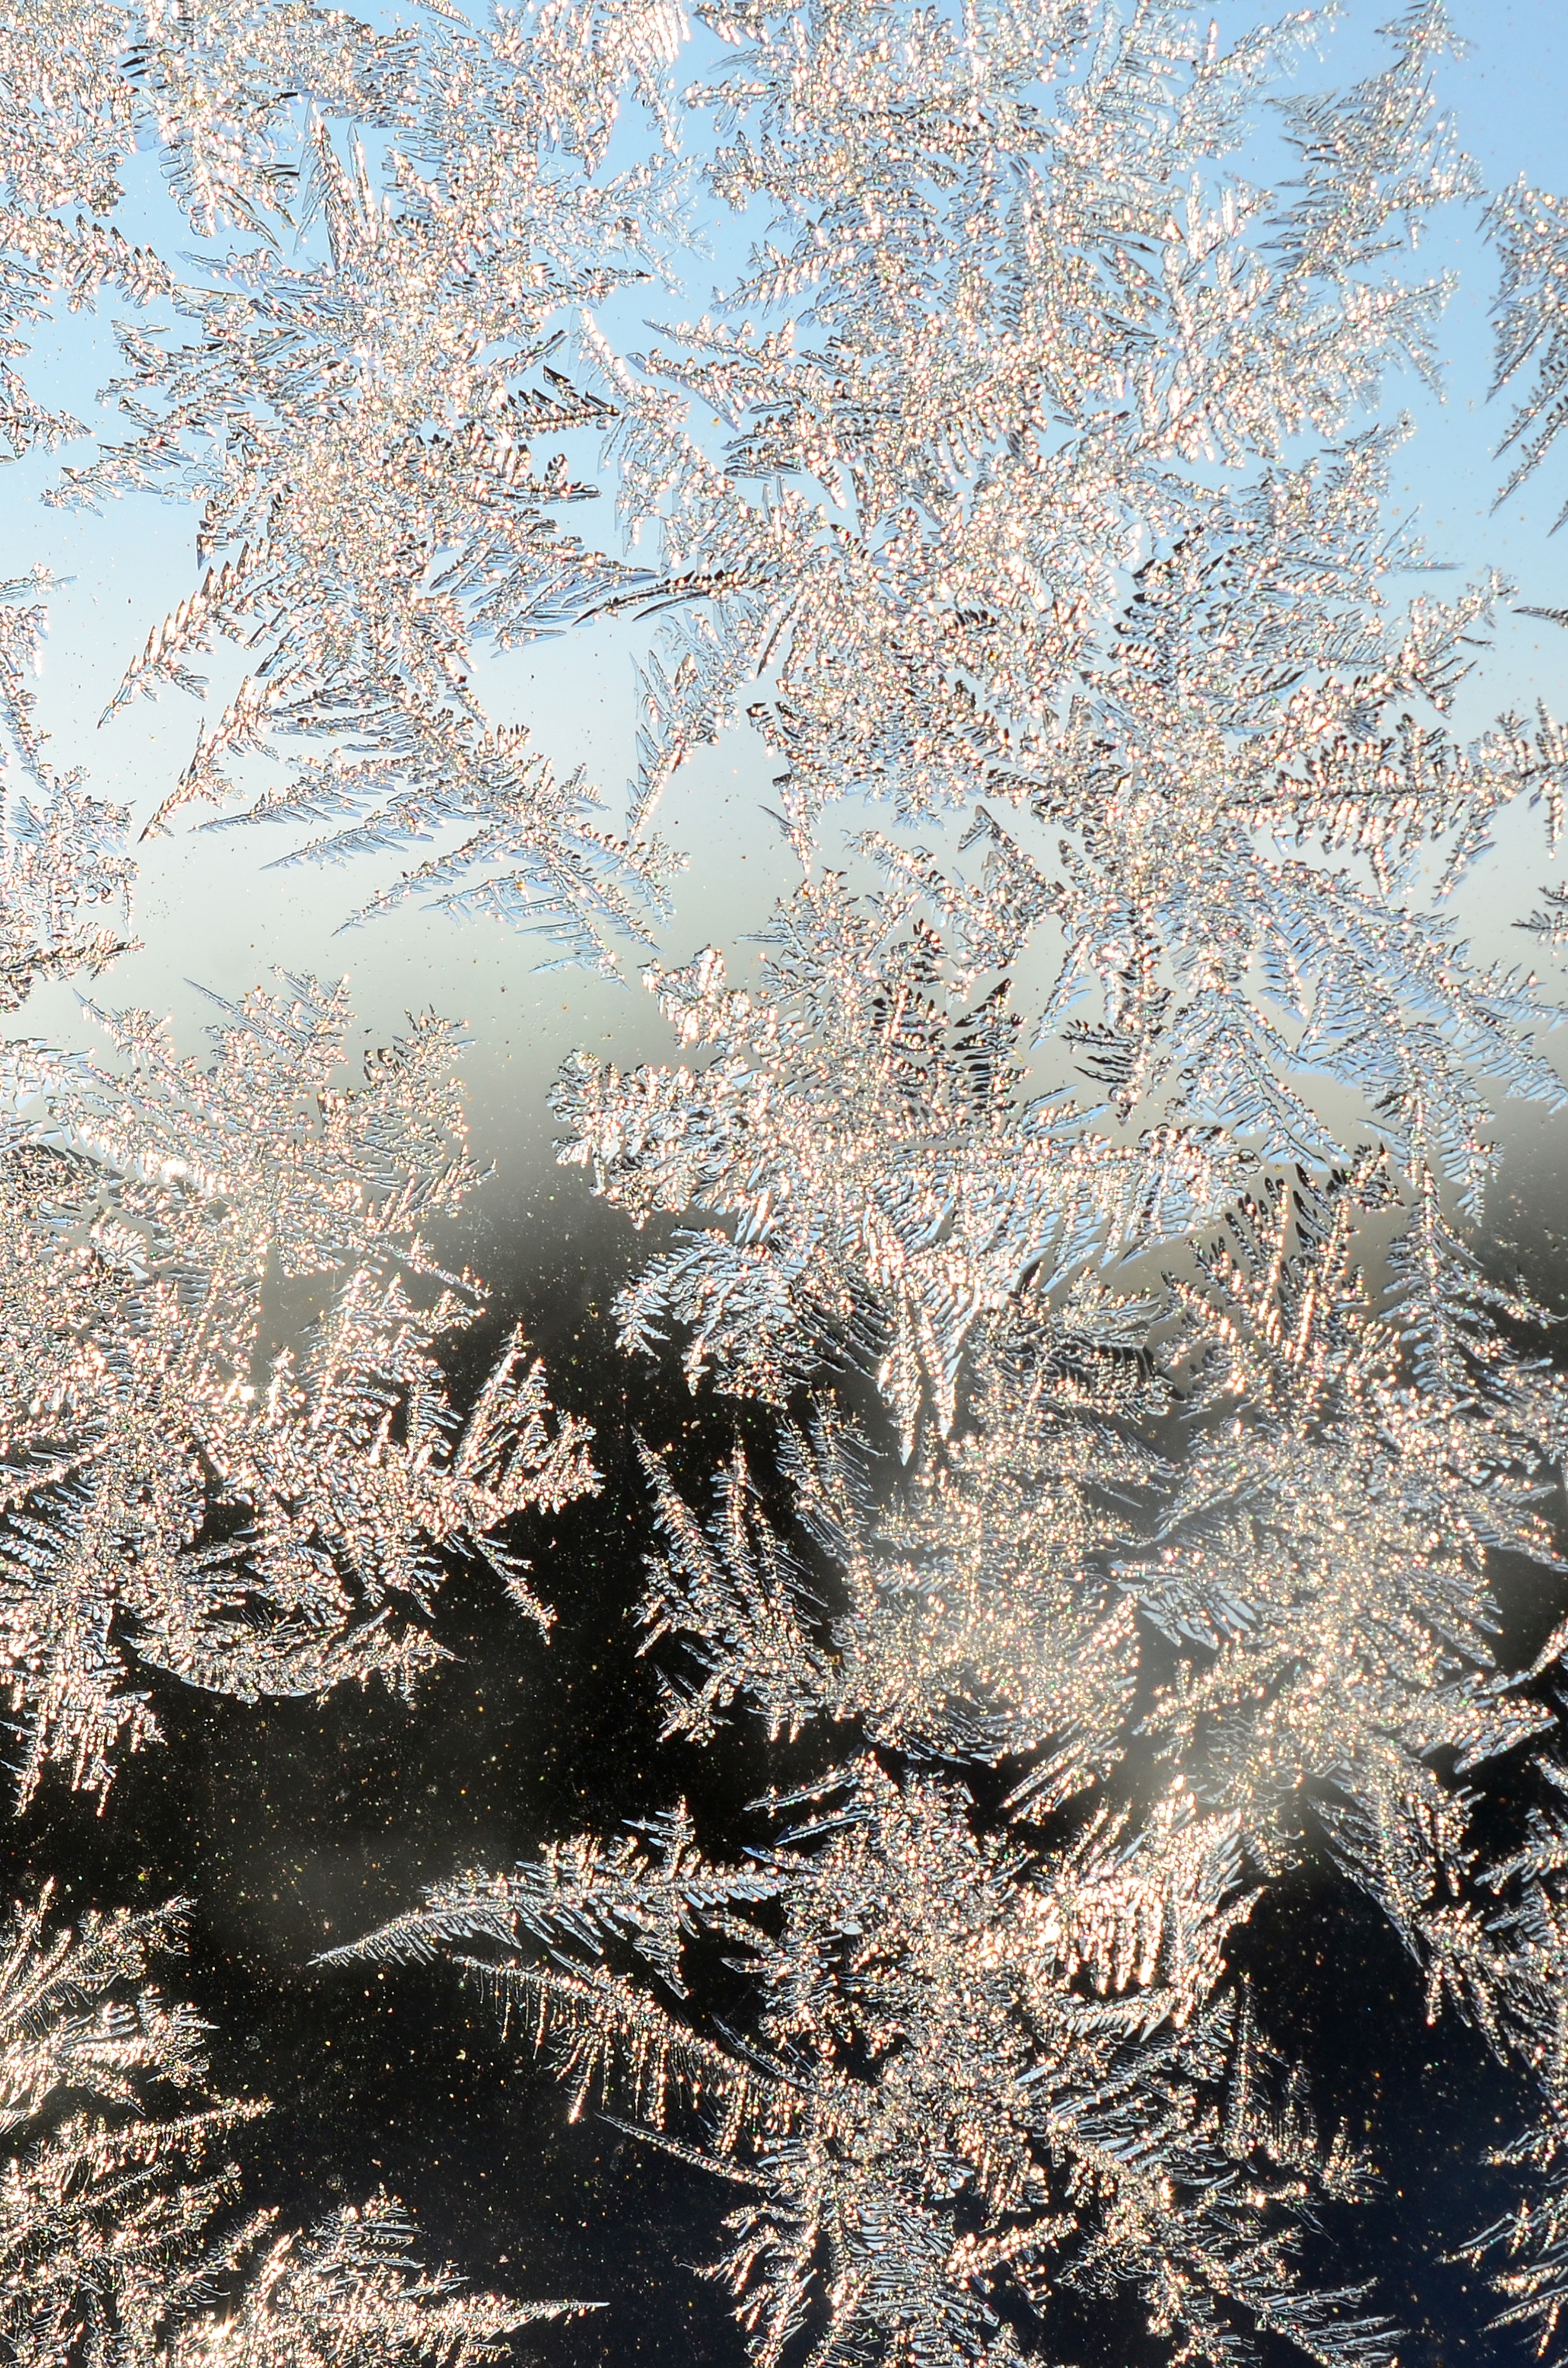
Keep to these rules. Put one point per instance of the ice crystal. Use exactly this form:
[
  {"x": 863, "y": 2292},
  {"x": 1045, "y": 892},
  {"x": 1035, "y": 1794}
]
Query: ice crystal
[
  {"x": 1327, "y": 1537},
  {"x": 1008, "y": 516},
  {"x": 185, "y": 1488},
  {"x": 1317, "y": 1556},
  {"x": 1035, "y": 312},
  {"x": 356, "y": 432},
  {"x": 972, "y": 1617},
  {"x": 887, "y": 1192},
  {"x": 967, "y": 2076},
  {"x": 108, "y": 2250},
  {"x": 1530, "y": 230},
  {"x": 1056, "y": 495},
  {"x": 65, "y": 874},
  {"x": 1115, "y": 1163}
]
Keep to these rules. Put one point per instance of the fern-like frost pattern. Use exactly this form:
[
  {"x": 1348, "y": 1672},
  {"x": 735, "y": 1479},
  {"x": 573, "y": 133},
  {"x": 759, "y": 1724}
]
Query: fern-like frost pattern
[
  {"x": 1080, "y": 1197},
  {"x": 118, "y": 2225},
  {"x": 185, "y": 1490}
]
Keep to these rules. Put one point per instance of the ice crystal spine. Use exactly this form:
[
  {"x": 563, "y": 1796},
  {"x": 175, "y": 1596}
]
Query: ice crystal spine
[{"x": 65, "y": 872}]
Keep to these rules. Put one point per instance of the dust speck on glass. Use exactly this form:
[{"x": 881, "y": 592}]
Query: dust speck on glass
[{"x": 860, "y": 1662}]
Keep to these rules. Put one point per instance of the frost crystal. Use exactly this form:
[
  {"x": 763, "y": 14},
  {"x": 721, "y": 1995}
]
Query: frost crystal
[
  {"x": 107, "y": 2250},
  {"x": 357, "y": 434},
  {"x": 1530, "y": 229},
  {"x": 965, "y": 2075},
  {"x": 1056, "y": 495},
  {"x": 64, "y": 873},
  {"x": 1088, "y": 1202},
  {"x": 887, "y": 1194},
  {"x": 182, "y": 1490},
  {"x": 977, "y": 1622}
]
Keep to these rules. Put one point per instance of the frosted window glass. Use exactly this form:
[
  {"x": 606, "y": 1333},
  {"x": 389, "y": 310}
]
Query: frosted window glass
[{"x": 780, "y": 1399}]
